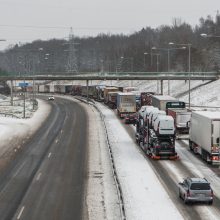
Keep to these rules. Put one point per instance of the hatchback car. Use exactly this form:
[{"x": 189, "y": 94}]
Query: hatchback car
[
  {"x": 131, "y": 118},
  {"x": 196, "y": 190}
]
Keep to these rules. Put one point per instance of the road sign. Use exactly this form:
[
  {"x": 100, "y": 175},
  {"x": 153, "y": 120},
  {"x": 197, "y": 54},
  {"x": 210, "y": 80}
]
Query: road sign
[{"x": 23, "y": 84}]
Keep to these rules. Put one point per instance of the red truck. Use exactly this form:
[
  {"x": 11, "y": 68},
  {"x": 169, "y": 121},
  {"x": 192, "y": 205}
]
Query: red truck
[{"x": 146, "y": 98}]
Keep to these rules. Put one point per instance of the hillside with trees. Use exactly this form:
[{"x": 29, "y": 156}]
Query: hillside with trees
[{"x": 123, "y": 53}]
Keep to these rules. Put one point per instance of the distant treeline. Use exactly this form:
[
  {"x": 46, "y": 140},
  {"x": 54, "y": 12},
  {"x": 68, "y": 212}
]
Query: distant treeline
[{"x": 123, "y": 53}]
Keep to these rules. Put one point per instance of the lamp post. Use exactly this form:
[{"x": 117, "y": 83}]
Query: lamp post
[
  {"x": 189, "y": 66},
  {"x": 145, "y": 53},
  {"x": 168, "y": 60},
  {"x": 130, "y": 59},
  {"x": 157, "y": 64}
]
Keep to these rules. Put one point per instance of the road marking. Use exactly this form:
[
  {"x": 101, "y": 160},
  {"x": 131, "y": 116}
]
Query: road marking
[
  {"x": 61, "y": 131},
  {"x": 20, "y": 213},
  {"x": 56, "y": 141},
  {"x": 49, "y": 155},
  {"x": 38, "y": 176},
  {"x": 19, "y": 169}
]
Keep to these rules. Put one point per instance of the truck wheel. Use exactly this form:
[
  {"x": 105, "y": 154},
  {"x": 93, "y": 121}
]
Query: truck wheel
[{"x": 190, "y": 145}]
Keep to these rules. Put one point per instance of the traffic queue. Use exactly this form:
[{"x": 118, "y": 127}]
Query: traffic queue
[{"x": 159, "y": 119}]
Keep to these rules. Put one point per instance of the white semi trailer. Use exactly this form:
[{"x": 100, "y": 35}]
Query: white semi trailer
[
  {"x": 126, "y": 104},
  {"x": 204, "y": 135}
]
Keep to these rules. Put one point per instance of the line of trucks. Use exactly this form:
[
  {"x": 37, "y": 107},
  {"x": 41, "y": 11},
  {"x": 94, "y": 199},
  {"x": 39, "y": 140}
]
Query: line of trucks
[
  {"x": 159, "y": 120},
  {"x": 159, "y": 124}
]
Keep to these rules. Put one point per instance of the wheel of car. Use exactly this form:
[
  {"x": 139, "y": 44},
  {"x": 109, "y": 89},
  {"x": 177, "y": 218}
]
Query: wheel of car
[
  {"x": 185, "y": 200},
  {"x": 210, "y": 202}
]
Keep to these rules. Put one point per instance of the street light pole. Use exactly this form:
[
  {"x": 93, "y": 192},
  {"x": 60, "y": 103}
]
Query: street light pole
[
  {"x": 189, "y": 67},
  {"x": 168, "y": 61},
  {"x": 168, "y": 68},
  {"x": 189, "y": 45},
  {"x": 145, "y": 53}
]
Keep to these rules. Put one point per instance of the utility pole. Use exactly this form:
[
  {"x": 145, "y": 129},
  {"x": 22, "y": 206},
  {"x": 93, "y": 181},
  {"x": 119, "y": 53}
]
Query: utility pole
[{"x": 72, "y": 59}]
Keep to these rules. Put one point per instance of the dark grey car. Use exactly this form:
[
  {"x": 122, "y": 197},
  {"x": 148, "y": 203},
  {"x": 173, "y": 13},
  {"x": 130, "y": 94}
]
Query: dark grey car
[{"x": 196, "y": 190}]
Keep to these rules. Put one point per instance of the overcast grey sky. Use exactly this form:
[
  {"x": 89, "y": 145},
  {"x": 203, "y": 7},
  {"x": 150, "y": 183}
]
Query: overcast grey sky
[{"x": 90, "y": 17}]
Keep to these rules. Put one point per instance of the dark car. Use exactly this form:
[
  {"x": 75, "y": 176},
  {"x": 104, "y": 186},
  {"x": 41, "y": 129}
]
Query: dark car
[
  {"x": 131, "y": 118},
  {"x": 196, "y": 190}
]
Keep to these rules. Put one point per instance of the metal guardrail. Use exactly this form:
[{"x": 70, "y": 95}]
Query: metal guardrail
[{"x": 8, "y": 115}]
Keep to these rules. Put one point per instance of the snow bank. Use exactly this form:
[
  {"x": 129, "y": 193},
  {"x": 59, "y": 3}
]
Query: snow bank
[
  {"x": 144, "y": 195},
  {"x": 13, "y": 130}
]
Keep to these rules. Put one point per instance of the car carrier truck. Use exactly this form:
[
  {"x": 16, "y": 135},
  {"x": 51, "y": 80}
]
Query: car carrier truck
[{"x": 157, "y": 142}]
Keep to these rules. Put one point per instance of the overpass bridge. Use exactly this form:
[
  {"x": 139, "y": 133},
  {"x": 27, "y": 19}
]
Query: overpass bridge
[
  {"x": 117, "y": 76},
  {"x": 160, "y": 76}
]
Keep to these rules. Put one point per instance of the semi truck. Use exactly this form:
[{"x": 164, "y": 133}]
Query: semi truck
[
  {"x": 160, "y": 101},
  {"x": 107, "y": 90},
  {"x": 158, "y": 142},
  {"x": 100, "y": 93},
  {"x": 181, "y": 118},
  {"x": 112, "y": 99},
  {"x": 204, "y": 135},
  {"x": 146, "y": 98},
  {"x": 126, "y": 104}
]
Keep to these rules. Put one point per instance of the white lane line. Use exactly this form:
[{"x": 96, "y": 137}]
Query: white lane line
[
  {"x": 56, "y": 141},
  {"x": 20, "y": 213},
  {"x": 38, "y": 176},
  {"x": 61, "y": 131},
  {"x": 49, "y": 155},
  {"x": 19, "y": 169}
]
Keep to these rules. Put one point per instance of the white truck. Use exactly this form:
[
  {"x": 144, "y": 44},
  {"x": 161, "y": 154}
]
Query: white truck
[
  {"x": 126, "y": 104},
  {"x": 163, "y": 102},
  {"x": 181, "y": 117},
  {"x": 160, "y": 101},
  {"x": 204, "y": 135}
]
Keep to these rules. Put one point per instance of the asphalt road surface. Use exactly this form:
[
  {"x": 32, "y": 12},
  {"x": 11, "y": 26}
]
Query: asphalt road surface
[{"x": 47, "y": 178}]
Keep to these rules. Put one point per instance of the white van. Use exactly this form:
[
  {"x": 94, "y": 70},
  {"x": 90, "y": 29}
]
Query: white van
[
  {"x": 145, "y": 110},
  {"x": 150, "y": 118},
  {"x": 164, "y": 125},
  {"x": 155, "y": 115}
]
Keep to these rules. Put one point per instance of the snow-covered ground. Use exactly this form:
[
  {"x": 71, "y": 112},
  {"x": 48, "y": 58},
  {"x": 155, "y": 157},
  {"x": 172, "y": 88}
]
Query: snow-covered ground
[{"x": 15, "y": 131}]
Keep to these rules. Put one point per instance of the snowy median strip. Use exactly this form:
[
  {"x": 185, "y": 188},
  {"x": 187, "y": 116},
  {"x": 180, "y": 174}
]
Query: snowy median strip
[
  {"x": 120, "y": 194},
  {"x": 143, "y": 193}
]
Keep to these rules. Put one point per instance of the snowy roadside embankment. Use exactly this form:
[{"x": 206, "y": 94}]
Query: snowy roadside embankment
[
  {"x": 14, "y": 132},
  {"x": 144, "y": 195},
  {"x": 101, "y": 196}
]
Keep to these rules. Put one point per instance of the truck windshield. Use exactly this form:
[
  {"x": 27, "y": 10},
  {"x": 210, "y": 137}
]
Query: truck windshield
[{"x": 200, "y": 186}]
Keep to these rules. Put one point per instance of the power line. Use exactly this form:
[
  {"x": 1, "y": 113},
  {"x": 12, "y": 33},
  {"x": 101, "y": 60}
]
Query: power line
[{"x": 65, "y": 27}]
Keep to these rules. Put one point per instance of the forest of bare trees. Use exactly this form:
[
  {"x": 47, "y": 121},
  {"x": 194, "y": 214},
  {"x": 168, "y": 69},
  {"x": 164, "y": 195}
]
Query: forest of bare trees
[{"x": 145, "y": 51}]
